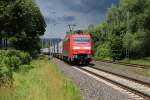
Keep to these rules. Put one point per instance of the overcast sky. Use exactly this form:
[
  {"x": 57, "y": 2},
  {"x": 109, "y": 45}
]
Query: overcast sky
[{"x": 59, "y": 13}]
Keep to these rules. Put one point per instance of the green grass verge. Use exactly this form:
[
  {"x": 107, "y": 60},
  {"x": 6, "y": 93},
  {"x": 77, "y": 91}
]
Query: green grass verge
[
  {"x": 100, "y": 58},
  {"x": 144, "y": 61},
  {"x": 43, "y": 82}
]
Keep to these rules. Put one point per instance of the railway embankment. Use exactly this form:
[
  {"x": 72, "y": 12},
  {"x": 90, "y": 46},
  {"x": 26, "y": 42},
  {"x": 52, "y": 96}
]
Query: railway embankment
[
  {"x": 128, "y": 71},
  {"x": 91, "y": 88}
]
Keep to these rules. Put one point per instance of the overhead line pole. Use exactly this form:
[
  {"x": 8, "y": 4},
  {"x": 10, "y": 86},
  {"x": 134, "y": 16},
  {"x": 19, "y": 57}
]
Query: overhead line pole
[{"x": 71, "y": 27}]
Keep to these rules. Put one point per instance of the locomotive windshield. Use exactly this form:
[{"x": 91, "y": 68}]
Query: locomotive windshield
[{"x": 81, "y": 40}]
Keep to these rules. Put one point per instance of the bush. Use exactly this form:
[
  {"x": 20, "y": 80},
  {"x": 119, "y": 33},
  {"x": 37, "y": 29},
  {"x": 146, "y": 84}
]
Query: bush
[
  {"x": 34, "y": 53},
  {"x": 23, "y": 56},
  {"x": 11, "y": 60},
  {"x": 117, "y": 50},
  {"x": 5, "y": 76},
  {"x": 102, "y": 51}
]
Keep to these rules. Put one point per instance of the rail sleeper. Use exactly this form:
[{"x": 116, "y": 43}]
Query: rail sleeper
[{"x": 135, "y": 86}]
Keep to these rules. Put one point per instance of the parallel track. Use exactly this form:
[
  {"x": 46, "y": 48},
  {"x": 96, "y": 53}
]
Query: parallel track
[
  {"x": 128, "y": 88},
  {"x": 142, "y": 89},
  {"x": 126, "y": 64},
  {"x": 123, "y": 76}
]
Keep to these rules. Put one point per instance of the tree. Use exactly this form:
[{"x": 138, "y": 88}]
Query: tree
[
  {"x": 126, "y": 27},
  {"x": 116, "y": 45},
  {"x": 128, "y": 39},
  {"x": 22, "y": 21},
  {"x": 90, "y": 27}
]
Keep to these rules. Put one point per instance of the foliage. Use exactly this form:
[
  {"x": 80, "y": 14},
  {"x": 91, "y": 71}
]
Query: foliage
[
  {"x": 23, "y": 56},
  {"x": 22, "y": 23},
  {"x": 116, "y": 48},
  {"x": 128, "y": 40},
  {"x": 10, "y": 61},
  {"x": 102, "y": 51},
  {"x": 125, "y": 27},
  {"x": 43, "y": 82}
]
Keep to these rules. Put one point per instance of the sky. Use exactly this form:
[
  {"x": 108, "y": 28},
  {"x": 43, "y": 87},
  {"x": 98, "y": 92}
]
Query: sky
[{"x": 59, "y": 13}]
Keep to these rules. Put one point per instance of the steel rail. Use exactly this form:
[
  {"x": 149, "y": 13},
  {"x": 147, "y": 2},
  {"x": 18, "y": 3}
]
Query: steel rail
[{"x": 142, "y": 94}]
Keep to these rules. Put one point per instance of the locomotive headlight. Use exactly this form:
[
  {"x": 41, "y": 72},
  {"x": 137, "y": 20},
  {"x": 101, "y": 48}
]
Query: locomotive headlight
[
  {"x": 76, "y": 48},
  {"x": 87, "y": 48}
]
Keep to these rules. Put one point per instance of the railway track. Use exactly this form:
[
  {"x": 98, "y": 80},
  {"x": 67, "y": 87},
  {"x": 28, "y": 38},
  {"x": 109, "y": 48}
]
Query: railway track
[
  {"x": 126, "y": 64},
  {"x": 140, "y": 90}
]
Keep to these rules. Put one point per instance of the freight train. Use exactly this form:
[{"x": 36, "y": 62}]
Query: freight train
[{"x": 75, "y": 48}]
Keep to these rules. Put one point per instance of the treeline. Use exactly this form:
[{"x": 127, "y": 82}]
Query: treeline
[
  {"x": 125, "y": 32},
  {"x": 21, "y": 23}
]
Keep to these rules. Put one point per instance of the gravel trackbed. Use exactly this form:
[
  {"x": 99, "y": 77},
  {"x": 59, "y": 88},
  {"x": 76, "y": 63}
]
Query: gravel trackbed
[{"x": 90, "y": 88}]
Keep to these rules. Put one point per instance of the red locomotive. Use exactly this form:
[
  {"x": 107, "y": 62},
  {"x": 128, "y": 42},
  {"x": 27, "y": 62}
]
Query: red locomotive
[{"x": 77, "y": 48}]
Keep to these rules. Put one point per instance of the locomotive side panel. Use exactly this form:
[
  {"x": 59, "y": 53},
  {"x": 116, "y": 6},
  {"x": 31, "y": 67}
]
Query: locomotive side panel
[{"x": 66, "y": 47}]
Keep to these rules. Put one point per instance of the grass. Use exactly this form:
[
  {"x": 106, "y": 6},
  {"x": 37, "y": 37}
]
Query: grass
[
  {"x": 100, "y": 58},
  {"x": 144, "y": 61},
  {"x": 43, "y": 82}
]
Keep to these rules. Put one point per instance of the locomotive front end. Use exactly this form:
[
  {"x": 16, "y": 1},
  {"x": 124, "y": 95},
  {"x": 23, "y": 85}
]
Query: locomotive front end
[{"x": 81, "y": 48}]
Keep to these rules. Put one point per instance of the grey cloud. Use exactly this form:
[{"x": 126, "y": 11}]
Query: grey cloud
[
  {"x": 59, "y": 19},
  {"x": 49, "y": 20},
  {"x": 90, "y": 6},
  {"x": 69, "y": 18},
  {"x": 58, "y": 13}
]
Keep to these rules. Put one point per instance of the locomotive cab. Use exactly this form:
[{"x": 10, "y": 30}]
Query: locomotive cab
[
  {"x": 77, "y": 48},
  {"x": 81, "y": 48}
]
